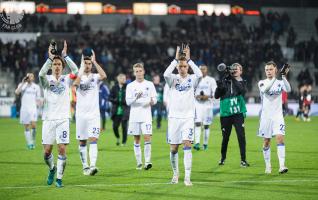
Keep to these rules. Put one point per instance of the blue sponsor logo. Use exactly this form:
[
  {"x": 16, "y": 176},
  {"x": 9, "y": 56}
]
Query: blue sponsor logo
[
  {"x": 184, "y": 87},
  {"x": 57, "y": 88}
]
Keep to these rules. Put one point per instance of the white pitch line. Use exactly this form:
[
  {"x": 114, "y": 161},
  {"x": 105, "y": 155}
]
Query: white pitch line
[{"x": 150, "y": 184}]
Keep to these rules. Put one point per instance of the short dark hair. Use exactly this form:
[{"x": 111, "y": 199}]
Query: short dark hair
[
  {"x": 57, "y": 57},
  {"x": 182, "y": 58},
  {"x": 87, "y": 58},
  {"x": 271, "y": 63}
]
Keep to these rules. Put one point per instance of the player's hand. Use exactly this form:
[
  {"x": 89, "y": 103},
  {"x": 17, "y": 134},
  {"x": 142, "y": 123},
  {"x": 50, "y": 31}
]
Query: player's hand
[
  {"x": 152, "y": 102},
  {"x": 64, "y": 51},
  {"x": 51, "y": 56},
  {"x": 177, "y": 53},
  {"x": 139, "y": 94},
  {"x": 187, "y": 52},
  {"x": 93, "y": 58}
]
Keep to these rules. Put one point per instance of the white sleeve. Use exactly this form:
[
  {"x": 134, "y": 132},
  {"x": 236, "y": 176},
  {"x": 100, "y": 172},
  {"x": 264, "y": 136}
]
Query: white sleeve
[
  {"x": 71, "y": 64},
  {"x": 129, "y": 95},
  {"x": 287, "y": 86},
  {"x": 213, "y": 87},
  {"x": 263, "y": 87},
  {"x": 166, "y": 93},
  {"x": 197, "y": 72},
  {"x": 168, "y": 75},
  {"x": 38, "y": 92}
]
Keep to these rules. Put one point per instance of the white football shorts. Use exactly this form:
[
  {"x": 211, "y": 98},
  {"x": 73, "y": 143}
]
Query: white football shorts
[
  {"x": 56, "y": 131},
  {"x": 269, "y": 128},
  {"x": 203, "y": 114},
  {"x": 28, "y": 116},
  {"x": 180, "y": 130},
  {"x": 138, "y": 128},
  {"x": 87, "y": 128}
]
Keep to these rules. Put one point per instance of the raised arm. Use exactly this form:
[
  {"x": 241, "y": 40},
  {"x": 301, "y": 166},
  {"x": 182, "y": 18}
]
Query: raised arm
[
  {"x": 286, "y": 83},
  {"x": 21, "y": 86},
  {"x": 42, "y": 74},
  {"x": 265, "y": 87},
  {"x": 68, "y": 60},
  {"x": 101, "y": 72},
  {"x": 168, "y": 73}
]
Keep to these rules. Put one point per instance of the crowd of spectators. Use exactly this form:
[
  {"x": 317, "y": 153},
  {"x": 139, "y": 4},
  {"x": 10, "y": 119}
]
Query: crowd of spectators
[{"x": 213, "y": 40}]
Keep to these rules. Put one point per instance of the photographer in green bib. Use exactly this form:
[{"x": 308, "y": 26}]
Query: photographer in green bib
[{"x": 231, "y": 89}]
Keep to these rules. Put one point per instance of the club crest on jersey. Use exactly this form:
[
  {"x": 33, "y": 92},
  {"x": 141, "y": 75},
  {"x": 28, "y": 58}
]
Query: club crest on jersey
[{"x": 57, "y": 88}]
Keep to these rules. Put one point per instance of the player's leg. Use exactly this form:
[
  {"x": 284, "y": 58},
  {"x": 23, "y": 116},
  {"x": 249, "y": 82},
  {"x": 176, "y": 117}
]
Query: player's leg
[
  {"x": 135, "y": 130},
  {"x": 187, "y": 138},
  {"x": 147, "y": 151},
  {"x": 240, "y": 132},
  {"x": 187, "y": 159},
  {"x": 197, "y": 135},
  {"x": 116, "y": 123},
  {"x": 146, "y": 129},
  {"x": 226, "y": 127},
  {"x": 82, "y": 136},
  {"x": 137, "y": 150},
  {"x": 61, "y": 163},
  {"x": 206, "y": 125},
  {"x": 48, "y": 138},
  {"x": 33, "y": 133},
  {"x": 281, "y": 153},
  {"x": 198, "y": 119},
  {"x": 93, "y": 134},
  {"x": 62, "y": 139},
  {"x": 174, "y": 161},
  {"x": 267, "y": 155},
  {"x": 124, "y": 127},
  {"x": 174, "y": 138},
  {"x": 28, "y": 136}
]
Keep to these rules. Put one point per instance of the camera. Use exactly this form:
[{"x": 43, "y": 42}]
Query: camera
[{"x": 54, "y": 48}]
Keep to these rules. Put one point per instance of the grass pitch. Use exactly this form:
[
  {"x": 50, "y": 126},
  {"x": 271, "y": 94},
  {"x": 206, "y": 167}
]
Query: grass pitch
[{"x": 23, "y": 172}]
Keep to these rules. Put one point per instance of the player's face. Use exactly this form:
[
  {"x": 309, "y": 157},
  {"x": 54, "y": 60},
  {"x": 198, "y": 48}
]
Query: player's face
[
  {"x": 88, "y": 66},
  {"x": 57, "y": 67},
  {"x": 204, "y": 70},
  {"x": 270, "y": 71},
  {"x": 139, "y": 73},
  {"x": 183, "y": 68}
]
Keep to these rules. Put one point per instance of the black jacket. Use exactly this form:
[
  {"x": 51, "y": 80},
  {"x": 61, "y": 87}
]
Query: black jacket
[
  {"x": 230, "y": 87},
  {"x": 113, "y": 97}
]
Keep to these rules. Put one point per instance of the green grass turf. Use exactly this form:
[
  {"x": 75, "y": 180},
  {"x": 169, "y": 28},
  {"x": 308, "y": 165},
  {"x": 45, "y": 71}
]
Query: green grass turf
[{"x": 23, "y": 172}]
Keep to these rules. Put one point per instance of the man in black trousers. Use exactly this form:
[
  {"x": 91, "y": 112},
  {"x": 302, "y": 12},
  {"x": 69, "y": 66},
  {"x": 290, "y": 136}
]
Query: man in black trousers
[
  {"x": 120, "y": 110},
  {"x": 231, "y": 89}
]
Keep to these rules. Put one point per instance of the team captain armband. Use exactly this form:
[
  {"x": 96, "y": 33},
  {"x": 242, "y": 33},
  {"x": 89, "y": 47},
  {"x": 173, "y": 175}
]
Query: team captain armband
[{"x": 73, "y": 76}]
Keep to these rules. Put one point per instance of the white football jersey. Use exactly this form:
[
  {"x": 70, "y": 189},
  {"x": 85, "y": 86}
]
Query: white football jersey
[
  {"x": 87, "y": 95},
  {"x": 272, "y": 99},
  {"x": 30, "y": 93},
  {"x": 181, "y": 93},
  {"x": 140, "y": 109},
  {"x": 57, "y": 98},
  {"x": 207, "y": 85}
]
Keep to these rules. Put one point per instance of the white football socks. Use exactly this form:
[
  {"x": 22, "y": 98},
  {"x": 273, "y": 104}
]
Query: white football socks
[
  {"x": 49, "y": 160},
  {"x": 137, "y": 150},
  {"x": 28, "y": 136},
  {"x": 83, "y": 155},
  {"x": 61, "y": 162},
  {"x": 147, "y": 152},
  {"x": 187, "y": 159},
  {"x": 197, "y": 134},
  {"x": 267, "y": 155},
  {"x": 206, "y": 136},
  {"x": 93, "y": 152},
  {"x": 174, "y": 160},
  {"x": 281, "y": 154}
]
